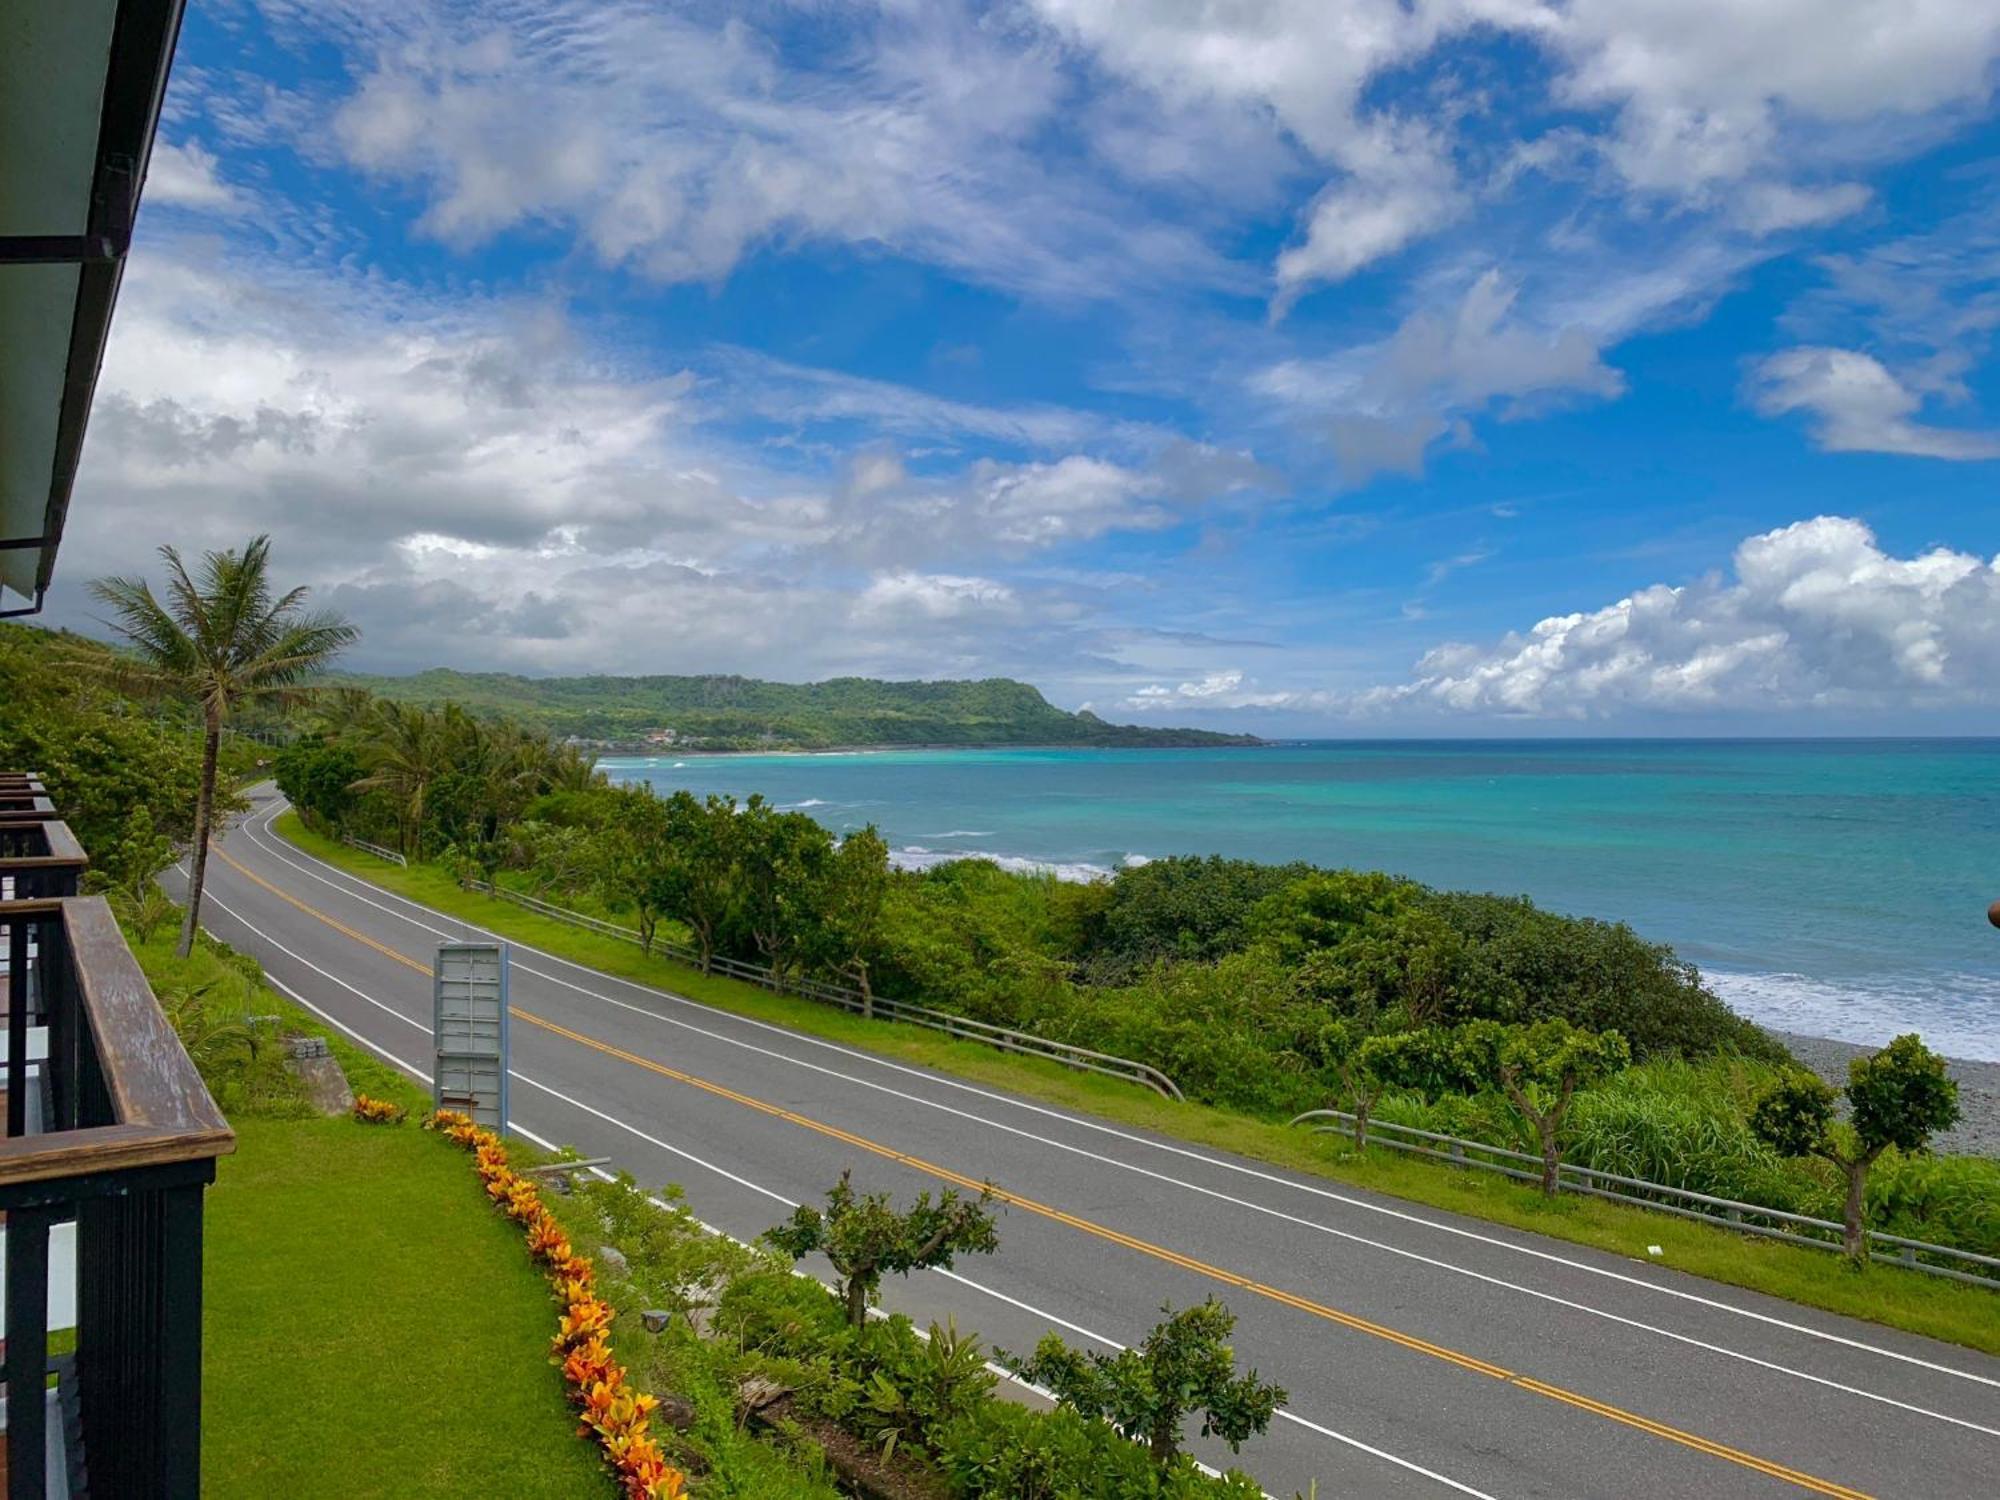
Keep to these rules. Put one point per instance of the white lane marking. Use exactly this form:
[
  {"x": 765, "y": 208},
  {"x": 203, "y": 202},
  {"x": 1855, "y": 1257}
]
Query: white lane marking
[
  {"x": 1284, "y": 1413},
  {"x": 1684, "y": 1339}
]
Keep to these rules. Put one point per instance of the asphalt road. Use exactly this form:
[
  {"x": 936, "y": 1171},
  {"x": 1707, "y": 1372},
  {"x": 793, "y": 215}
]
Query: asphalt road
[{"x": 1426, "y": 1355}]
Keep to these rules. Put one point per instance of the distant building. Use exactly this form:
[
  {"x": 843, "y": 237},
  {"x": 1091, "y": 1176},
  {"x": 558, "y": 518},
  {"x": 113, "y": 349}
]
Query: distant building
[{"x": 662, "y": 736}]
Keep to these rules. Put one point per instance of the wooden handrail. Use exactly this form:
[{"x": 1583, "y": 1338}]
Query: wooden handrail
[
  {"x": 105, "y": 1148},
  {"x": 64, "y": 852},
  {"x": 161, "y": 1110},
  {"x": 147, "y": 1072}
]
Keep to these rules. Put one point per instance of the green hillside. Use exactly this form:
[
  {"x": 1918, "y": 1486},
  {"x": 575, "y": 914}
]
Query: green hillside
[{"x": 743, "y": 713}]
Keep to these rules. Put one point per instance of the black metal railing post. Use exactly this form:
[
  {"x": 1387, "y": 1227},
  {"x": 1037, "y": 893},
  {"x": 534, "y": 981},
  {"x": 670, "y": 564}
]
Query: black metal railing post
[
  {"x": 179, "y": 1346},
  {"x": 27, "y": 1362},
  {"x": 138, "y": 1338},
  {"x": 17, "y": 1026}
]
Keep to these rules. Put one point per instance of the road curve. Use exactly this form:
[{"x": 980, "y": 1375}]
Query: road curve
[{"x": 1426, "y": 1354}]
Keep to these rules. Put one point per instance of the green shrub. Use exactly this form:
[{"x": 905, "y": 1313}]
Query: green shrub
[
  {"x": 1004, "y": 1450},
  {"x": 221, "y": 1011}
]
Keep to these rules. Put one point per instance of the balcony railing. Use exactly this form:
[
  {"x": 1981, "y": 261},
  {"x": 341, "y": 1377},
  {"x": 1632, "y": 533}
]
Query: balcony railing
[
  {"x": 23, "y": 798},
  {"x": 111, "y": 1139}
]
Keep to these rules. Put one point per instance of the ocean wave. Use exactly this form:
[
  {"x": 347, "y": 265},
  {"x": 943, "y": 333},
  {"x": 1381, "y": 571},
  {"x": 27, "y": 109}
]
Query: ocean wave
[
  {"x": 1956, "y": 1013},
  {"x": 917, "y": 857},
  {"x": 802, "y": 806},
  {"x": 959, "y": 833}
]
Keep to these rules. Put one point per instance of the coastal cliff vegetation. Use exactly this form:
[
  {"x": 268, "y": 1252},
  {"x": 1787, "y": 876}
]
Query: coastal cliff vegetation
[
  {"x": 720, "y": 712},
  {"x": 1258, "y": 988}
]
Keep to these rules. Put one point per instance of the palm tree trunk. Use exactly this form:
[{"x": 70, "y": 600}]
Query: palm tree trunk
[{"x": 204, "y": 814}]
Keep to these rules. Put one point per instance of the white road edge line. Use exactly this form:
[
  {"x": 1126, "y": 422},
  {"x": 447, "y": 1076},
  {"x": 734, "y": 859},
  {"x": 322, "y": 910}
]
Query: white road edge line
[
  {"x": 1283, "y": 1413},
  {"x": 1347, "y": 1235}
]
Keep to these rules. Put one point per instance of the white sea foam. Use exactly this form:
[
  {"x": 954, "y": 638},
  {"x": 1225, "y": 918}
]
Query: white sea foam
[
  {"x": 809, "y": 802},
  {"x": 917, "y": 857},
  {"x": 959, "y": 833},
  {"x": 1958, "y": 1014},
  {"x": 1133, "y": 861}
]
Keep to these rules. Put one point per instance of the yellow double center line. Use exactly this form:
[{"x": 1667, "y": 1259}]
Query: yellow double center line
[{"x": 1118, "y": 1237}]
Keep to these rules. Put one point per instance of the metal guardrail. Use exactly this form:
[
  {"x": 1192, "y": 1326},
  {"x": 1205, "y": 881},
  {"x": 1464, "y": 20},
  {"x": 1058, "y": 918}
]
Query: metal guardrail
[
  {"x": 390, "y": 855},
  {"x": 1685, "y": 1202},
  {"x": 874, "y": 1007}
]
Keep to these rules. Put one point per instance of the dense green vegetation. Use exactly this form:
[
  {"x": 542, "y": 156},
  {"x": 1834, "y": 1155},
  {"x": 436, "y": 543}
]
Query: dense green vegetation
[
  {"x": 1660, "y": 1112},
  {"x": 1267, "y": 990},
  {"x": 919, "y": 1412},
  {"x": 124, "y": 779},
  {"x": 743, "y": 713}
]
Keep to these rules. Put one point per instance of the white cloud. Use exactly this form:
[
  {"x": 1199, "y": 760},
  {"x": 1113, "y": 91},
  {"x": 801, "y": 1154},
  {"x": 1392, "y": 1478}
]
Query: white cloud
[
  {"x": 1384, "y": 405},
  {"x": 1774, "y": 207},
  {"x": 936, "y": 596},
  {"x": 478, "y": 482},
  {"x": 1709, "y": 91},
  {"x": 1858, "y": 406},
  {"x": 1390, "y": 198},
  {"x": 679, "y": 141},
  {"x": 1817, "y": 616},
  {"x": 186, "y": 177}
]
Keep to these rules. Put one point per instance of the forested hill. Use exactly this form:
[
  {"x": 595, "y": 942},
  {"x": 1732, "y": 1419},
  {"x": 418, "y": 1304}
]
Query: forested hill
[{"x": 743, "y": 713}]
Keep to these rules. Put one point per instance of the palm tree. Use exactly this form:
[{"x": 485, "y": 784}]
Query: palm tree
[
  {"x": 219, "y": 641},
  {"x": 408, "y": 750}
]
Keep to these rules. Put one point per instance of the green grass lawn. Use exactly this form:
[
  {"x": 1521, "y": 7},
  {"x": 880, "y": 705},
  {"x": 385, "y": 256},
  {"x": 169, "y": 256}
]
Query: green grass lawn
[
  {"x": 1902, "y": 1299},
  {"x": 373, "y": 1329}
]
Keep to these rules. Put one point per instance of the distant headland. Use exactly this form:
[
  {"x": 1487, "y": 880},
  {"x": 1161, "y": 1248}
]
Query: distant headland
[{"x": 711, "y": 713}]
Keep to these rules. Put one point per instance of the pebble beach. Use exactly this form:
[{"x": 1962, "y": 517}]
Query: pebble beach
[{"x": 1978, "y": 1129}]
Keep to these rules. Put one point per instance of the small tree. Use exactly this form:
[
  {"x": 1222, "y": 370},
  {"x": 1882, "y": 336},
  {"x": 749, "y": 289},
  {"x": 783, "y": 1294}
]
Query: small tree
[
  {"x": 636, "y": 859},
  {"x": 864, "y": 1236},
  {"x": 1900, "y": 1097},
  {"x": 849, "y": 925},
  {"x": 709, "y": 836},
  {"x": 1185, "y": 1365},
  {"x": 1539, "y": 1068},
  {"x": 784, "y": 858},
  {"x": 1359, "y": 1063}
]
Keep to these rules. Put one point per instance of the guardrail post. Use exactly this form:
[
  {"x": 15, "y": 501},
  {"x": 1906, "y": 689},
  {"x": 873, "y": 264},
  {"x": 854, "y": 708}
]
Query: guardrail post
[{"x": 1458, "y": 1153}]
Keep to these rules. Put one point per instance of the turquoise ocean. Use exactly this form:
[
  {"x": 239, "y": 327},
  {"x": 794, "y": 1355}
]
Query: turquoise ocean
[{"x": 1837, "y": 887}]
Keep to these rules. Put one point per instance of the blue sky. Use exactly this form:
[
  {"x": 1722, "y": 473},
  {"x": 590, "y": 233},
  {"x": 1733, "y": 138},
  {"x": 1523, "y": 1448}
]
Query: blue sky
[{"x": 1317, "y": 366}]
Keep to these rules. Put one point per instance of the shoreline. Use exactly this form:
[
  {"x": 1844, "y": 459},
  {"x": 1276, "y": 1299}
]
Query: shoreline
[
  {"x": 1977, "y": 1132},
  {"x": 658, "y": 752}
]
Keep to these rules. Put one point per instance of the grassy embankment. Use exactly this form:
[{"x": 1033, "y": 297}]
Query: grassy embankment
[
  {"x": 370, "y": 1327},
  {"x": 1900, "y": 1299}
]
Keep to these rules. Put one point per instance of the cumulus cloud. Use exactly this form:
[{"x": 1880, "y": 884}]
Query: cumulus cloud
[
  {"x": 1708, "y": 92},
  {"x": 1817, "y": 616},
  {"x": 1858, "y": 406}
]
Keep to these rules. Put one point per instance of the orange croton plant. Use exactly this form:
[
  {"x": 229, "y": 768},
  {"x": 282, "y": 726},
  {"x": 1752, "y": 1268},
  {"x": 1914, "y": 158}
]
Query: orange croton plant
[{"x": 611, "y": 1411}]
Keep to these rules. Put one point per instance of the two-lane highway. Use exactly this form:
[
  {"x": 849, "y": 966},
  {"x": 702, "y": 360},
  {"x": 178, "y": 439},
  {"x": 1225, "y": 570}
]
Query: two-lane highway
[{"x": 1425, "y": 1354}]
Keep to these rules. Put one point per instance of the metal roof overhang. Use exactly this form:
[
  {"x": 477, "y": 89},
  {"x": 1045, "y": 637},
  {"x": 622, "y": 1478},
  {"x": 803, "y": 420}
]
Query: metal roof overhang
[{"x": 81, "y": 83}]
